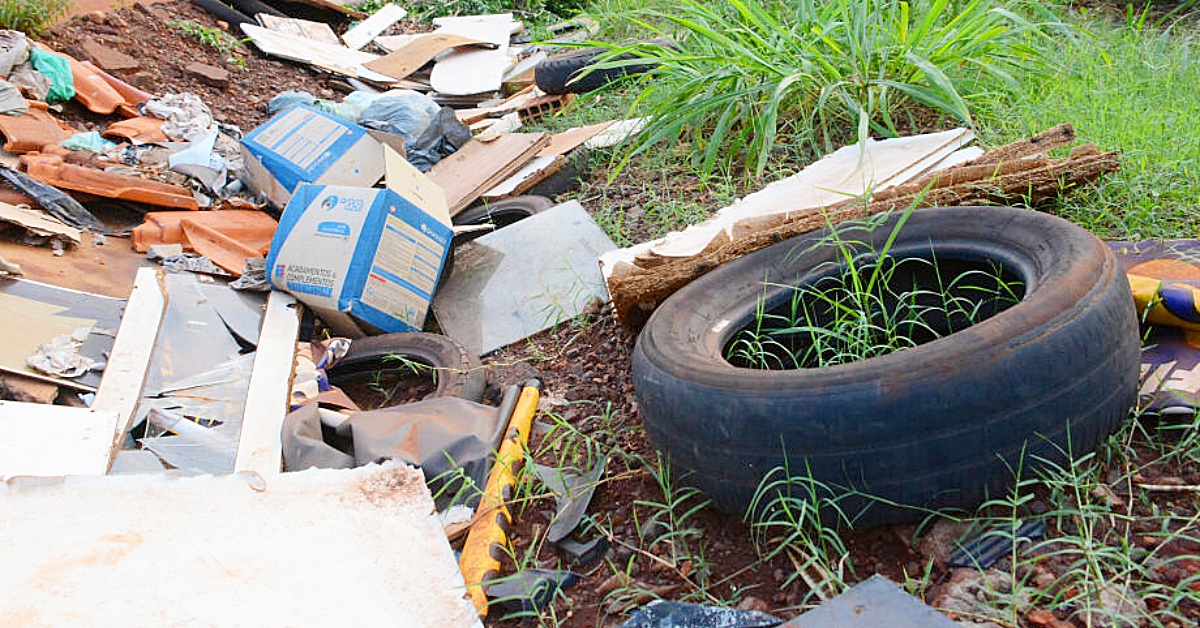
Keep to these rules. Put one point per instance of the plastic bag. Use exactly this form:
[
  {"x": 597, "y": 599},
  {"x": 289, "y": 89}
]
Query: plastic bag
[
  {"x": 430, "y": 132},
  {"x": 14, "y": 50},
  {"x": 88, "y": 141},
  {"x": 58, "y": 70}
]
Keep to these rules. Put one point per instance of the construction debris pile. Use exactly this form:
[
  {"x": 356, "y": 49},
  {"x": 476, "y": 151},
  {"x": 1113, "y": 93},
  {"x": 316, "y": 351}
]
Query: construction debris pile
[{"x": 266, "y": 267}]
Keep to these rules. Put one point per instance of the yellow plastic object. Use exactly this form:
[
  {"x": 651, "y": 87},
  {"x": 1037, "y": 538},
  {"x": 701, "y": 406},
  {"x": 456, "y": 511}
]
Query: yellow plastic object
[
  {"x": 1163, "y": 302},
  {"x": 488, "y": 536}
]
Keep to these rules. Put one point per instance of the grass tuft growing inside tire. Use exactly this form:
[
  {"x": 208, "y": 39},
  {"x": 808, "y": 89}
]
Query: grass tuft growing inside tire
[
  {"x": 1046, "y": 365},
  {"x": 867, "y": 303}
]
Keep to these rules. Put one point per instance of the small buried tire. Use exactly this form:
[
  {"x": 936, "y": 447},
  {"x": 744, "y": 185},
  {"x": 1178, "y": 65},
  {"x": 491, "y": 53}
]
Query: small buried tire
[
  {"x": 567, "y": 74},
  {"x": 941, "y": 425},
  {"x": 503, "y": 212},
  {"x": 457, "y": 372}
]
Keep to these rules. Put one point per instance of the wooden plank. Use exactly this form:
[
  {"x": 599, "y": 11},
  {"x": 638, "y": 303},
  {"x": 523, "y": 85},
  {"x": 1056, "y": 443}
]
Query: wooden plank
[
  {"x": 260, "y": 446},
  {"x": 421, "y": 50},
  {"x": 314, "y": 31},
  {"x": 50, "y": 441},
  {"x": 121, "y": 387},
  {"x": 479, "y": 166},
  {"x": 569, "y": 140},
  {"x": 370, "y": 28},
  {"x": 536, "y": 171}
]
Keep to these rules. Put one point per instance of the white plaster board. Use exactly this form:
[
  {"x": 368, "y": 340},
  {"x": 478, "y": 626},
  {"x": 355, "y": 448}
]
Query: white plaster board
[
  {"x": 48, "y": 440},
  {"x": 322, "y": 547}
]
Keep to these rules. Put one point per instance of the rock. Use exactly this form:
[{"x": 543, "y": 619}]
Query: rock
[
  {"x": 108, "y": 58},
  {"x": 941, "y": 540},
  {"x": 1042, "y": 618},
  {"x": 751, "y": 603},
  {"x": 616, "y": 581},
  {"x": 1114, "y": 606},
  {"x": 967, "y": 593},
  {"x": 142, "y": 80},
  {"x": 26, "y": 389},
  {"x": 210, "y": 75}
]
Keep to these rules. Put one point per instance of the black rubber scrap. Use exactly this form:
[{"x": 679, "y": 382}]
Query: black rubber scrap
[
  {"x": 988, "y": 548},
  {"x": 529, "y": 590},
  {"x": 569, "y": 73},
  {"x": 224, "y": 12},
  {"x": 56, "y": 202}
]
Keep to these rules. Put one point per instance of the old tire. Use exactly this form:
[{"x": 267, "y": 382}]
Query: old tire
[
  {"x": 567, "y": 74},
  {"x": 458, "y": 372},
  {"x": 938, "y": 426},
  {"x": 503, "y": 212}
]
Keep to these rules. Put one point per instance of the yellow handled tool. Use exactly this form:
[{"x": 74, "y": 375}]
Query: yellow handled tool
[{"x": 488, "y": 536}]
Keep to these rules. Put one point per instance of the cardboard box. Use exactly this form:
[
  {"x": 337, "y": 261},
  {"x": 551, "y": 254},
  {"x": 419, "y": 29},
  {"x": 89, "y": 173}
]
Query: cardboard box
[
  {"x": 364, "y": 259},
  {"x": 301, "y": 144}
]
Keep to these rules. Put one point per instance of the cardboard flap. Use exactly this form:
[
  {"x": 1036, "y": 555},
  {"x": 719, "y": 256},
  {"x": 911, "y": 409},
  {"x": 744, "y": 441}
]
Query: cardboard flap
[{"x": 404, "y": 179}]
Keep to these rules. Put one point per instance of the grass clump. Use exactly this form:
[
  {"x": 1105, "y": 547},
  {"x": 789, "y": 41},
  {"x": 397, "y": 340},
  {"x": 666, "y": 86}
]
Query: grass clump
[
  {"x": 32, "y": 17},
  {"x": 744, "y": 75}
]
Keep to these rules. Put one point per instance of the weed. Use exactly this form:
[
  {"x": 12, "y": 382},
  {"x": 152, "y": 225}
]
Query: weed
[
  {"x": 212, "y": 37},
  {"x": 744, "y": 74},
  {"x": 32, "y": 17},
  {"x": 797, "y": 516}
]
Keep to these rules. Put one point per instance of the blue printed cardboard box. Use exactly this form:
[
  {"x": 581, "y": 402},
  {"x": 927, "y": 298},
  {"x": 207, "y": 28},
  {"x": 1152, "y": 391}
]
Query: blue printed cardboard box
[
  {"x": 365, "y": 260},
  {"x": 303, "y": 145}
]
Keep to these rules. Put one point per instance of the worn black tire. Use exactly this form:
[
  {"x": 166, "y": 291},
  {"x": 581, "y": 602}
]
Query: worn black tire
[
  {"x": 941, "y": 425},
  {"x": 564, "y": 74},
  {"x": 459, "y": 372},
  {"x": 503, "y": 212}
]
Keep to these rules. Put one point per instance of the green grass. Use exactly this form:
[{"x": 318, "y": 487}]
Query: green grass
[
  {"x": 32, "y": 17},
  {"x": 1129, "y": 90}
]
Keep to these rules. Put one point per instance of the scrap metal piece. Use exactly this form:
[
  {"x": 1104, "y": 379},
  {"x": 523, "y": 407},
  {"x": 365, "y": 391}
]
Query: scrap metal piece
[
  {"x": 666, "y": 614},
  {"x": 873, "y": 602},
  {"x": 572, "y": 494},
  {"x": 582, "y": 554}
]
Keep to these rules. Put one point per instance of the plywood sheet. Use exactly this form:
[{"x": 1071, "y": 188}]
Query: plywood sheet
[
  {"x": 322, "y": 547},
  {"x": 307, "y": 29},
  {"x": 534, "y": 172},
  {"x": 414, "y": 55},
  {"x": 565, "y": 142},
  {"x": 478, "y": 166},
  {"x": 336, "y": 59},
  {"x": 34, "y": 313}
]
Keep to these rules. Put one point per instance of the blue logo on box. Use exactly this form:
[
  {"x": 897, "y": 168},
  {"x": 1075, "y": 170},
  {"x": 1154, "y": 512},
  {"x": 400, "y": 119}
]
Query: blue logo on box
[
  {"x": 329, "y": 203},
  {"x": 334, "y": 228}
]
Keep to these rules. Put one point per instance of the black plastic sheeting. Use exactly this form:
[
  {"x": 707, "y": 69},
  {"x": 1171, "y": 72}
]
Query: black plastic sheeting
[
  {"x": 452, "y": 440},
  {"x": 663, "y": 614}
]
